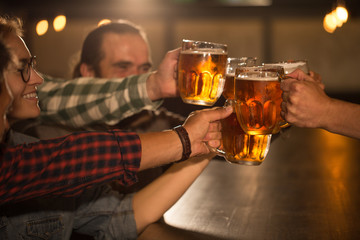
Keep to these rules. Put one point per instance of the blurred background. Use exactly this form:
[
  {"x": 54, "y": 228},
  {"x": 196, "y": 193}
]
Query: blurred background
[{"x": 272, "y": 30}]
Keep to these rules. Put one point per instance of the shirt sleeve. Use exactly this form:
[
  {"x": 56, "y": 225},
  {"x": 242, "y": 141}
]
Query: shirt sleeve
[
  {"x": 86, "y": 101},
  {"x": 66, "y": 166}
]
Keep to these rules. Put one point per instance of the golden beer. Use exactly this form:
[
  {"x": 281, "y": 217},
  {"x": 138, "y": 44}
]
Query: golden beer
[
  {"x": 231, "y": 66},
  {"x": 228, "y": 91},
  {"x": 201, "y": 73},
  {"x": 270, "y": 68},
  {"x": 258, "y": 99},
  {"x": 240, "y": 148}
]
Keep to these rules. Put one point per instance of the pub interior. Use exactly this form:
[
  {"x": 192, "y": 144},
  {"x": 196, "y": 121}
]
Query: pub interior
[{"x": 309, "y": 186}]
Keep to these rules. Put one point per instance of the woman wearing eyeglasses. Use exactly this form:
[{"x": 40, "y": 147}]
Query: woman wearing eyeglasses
[{"x": 26, "y": 103}]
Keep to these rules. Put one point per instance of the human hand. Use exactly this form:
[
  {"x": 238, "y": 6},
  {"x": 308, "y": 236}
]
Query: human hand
[
  {"x": 317, "y": 78},
  {"x": 204, "y": 128},
  {"x": 305, "y": 103},
  {"x": 163, "y": 82}
]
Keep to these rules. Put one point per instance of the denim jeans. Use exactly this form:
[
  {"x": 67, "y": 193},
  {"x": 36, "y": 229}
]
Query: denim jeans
[{"x": 99, "y": 212}]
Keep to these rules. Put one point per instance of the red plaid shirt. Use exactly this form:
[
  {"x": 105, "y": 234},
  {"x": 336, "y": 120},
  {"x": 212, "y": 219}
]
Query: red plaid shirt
[{"x": 66, "y": 166}]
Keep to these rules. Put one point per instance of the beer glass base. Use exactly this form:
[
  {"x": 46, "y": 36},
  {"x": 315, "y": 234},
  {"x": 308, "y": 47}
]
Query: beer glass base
[
  {"x": 198, "y": 102},
  {"x": 244, "y": 162},
  {"x": 254, "y": 132}
]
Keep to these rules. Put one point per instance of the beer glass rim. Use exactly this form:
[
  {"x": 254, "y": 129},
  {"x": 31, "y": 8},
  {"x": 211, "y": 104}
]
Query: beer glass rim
[
  {"x": 258, "y": 72},
  {"x": 229, "y": 59},
  {"x": 291, "y": 65},
  {"x": 188, "y": 44},
  {"x": 287, "y": 62},
  {"x": 261, "y": 68}
]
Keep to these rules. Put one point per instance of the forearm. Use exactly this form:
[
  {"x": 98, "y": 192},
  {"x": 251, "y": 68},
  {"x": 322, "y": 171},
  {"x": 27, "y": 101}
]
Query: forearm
[
  {"x": 159, "y": 148},
  {"x": 84, "y": 101},
  {"x": 154, "y": 200},
  {"x": 343, "y": 118}
]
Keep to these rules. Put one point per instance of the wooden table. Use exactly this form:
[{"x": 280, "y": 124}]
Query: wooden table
[{"x": 308, "y": 187}]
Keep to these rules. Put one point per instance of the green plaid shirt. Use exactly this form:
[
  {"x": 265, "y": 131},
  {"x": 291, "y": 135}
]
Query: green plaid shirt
[{"x": 86, "y": 101}]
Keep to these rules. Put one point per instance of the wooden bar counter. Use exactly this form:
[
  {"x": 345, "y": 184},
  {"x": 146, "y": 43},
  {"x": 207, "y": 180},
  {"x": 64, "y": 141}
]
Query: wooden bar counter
[{"x": 308, "y": 187}]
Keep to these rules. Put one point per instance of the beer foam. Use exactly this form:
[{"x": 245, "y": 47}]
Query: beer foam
[
  {"x": 291, "y": 66},
  {"x": 257, "y": 78},
  {"x": 204, "y": 50},
  {"x": 230, "y": 74}
]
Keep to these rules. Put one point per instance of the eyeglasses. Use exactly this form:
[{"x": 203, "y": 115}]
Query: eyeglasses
[{"x": 26, "y": 71}]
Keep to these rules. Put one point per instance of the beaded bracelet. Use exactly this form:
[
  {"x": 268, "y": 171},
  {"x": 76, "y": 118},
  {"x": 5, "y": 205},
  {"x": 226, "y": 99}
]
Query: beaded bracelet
[{"x": 185, "y": 141}]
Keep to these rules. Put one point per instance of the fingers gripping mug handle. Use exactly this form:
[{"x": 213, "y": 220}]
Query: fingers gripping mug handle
[{"x": 218, "y": 151}]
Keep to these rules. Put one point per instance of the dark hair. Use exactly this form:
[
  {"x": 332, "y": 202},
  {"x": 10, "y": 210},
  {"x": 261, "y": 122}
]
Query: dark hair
[
  {"x": 5, "y": 60},
  {"x": 91, "y": 52}
]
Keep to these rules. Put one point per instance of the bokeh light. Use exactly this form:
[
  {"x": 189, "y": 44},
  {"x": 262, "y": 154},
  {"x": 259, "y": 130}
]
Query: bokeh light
[
  {"x": 59, "y": 23},
  {"x": 42, "y": 27},
  {"x": 336, "y": 18},
  {"x": 339, "y": 22},
  {"x": 342, "y": 13},
  {"x": 329, "y": 23}
]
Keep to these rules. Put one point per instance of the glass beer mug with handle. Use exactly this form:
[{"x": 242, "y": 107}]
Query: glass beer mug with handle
[
  {"x": 201, "y": 71},
  {"x": 258, "y": 99},
  {"x": 238, "y": 147},
  {"x": 231, "y": 65},
  {"x": 271, "y": 68}
]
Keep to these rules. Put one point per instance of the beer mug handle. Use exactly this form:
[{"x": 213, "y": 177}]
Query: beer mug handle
[
  {"x": 218, "y": 151},
  {"x": 220, "y": 87},
  {"x": 284, "y": 124}
]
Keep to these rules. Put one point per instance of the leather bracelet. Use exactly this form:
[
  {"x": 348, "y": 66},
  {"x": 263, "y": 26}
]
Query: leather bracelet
[{"x": 185, "y": 141}]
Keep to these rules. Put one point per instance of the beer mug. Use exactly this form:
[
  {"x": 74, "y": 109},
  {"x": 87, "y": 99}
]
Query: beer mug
[
  {"x": 291, "y": 65},
  {"x": 238, "y": 147},
  {"x": 201, "y": 72},
  {"x": 231, "y": 65},
  {"x": 258, "y": 99}
]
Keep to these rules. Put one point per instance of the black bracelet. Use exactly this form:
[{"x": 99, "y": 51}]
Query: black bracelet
[{"x": 185, "y": 141}]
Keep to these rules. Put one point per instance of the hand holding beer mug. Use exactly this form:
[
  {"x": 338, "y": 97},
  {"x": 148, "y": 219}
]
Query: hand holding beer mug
[
  {"x": 201, "y": 72},
  {"x": 239, "y": 147},
  {"x": 258, "y": 99}
]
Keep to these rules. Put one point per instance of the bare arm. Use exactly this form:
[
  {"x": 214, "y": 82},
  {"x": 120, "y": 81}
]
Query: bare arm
[
  {"x": 305, "y": 104},
  {"x": 150, "y": 203},
  {"x": 154, "y": 200},
  {"x": 342, "y": 118},
  {"x": 165, "y": 147}
]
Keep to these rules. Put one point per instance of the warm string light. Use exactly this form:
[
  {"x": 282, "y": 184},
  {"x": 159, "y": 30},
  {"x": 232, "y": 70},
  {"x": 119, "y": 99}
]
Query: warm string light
[
  {"x": 335, "y": 18},
  {"x": 42, "y": 27},
  {"x": 59, "y": 24}
]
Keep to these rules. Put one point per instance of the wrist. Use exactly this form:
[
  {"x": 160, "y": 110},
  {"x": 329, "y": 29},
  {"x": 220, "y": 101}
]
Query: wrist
[
  {"x": 328, "y": 115},
  {"x": 152, "y": 88},
  {"x": 185, "y": 141}
]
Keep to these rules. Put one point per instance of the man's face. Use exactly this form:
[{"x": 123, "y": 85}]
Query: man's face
[
  {"x": 124, "y": 55},
  {"x": 25, "y": 104}
]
